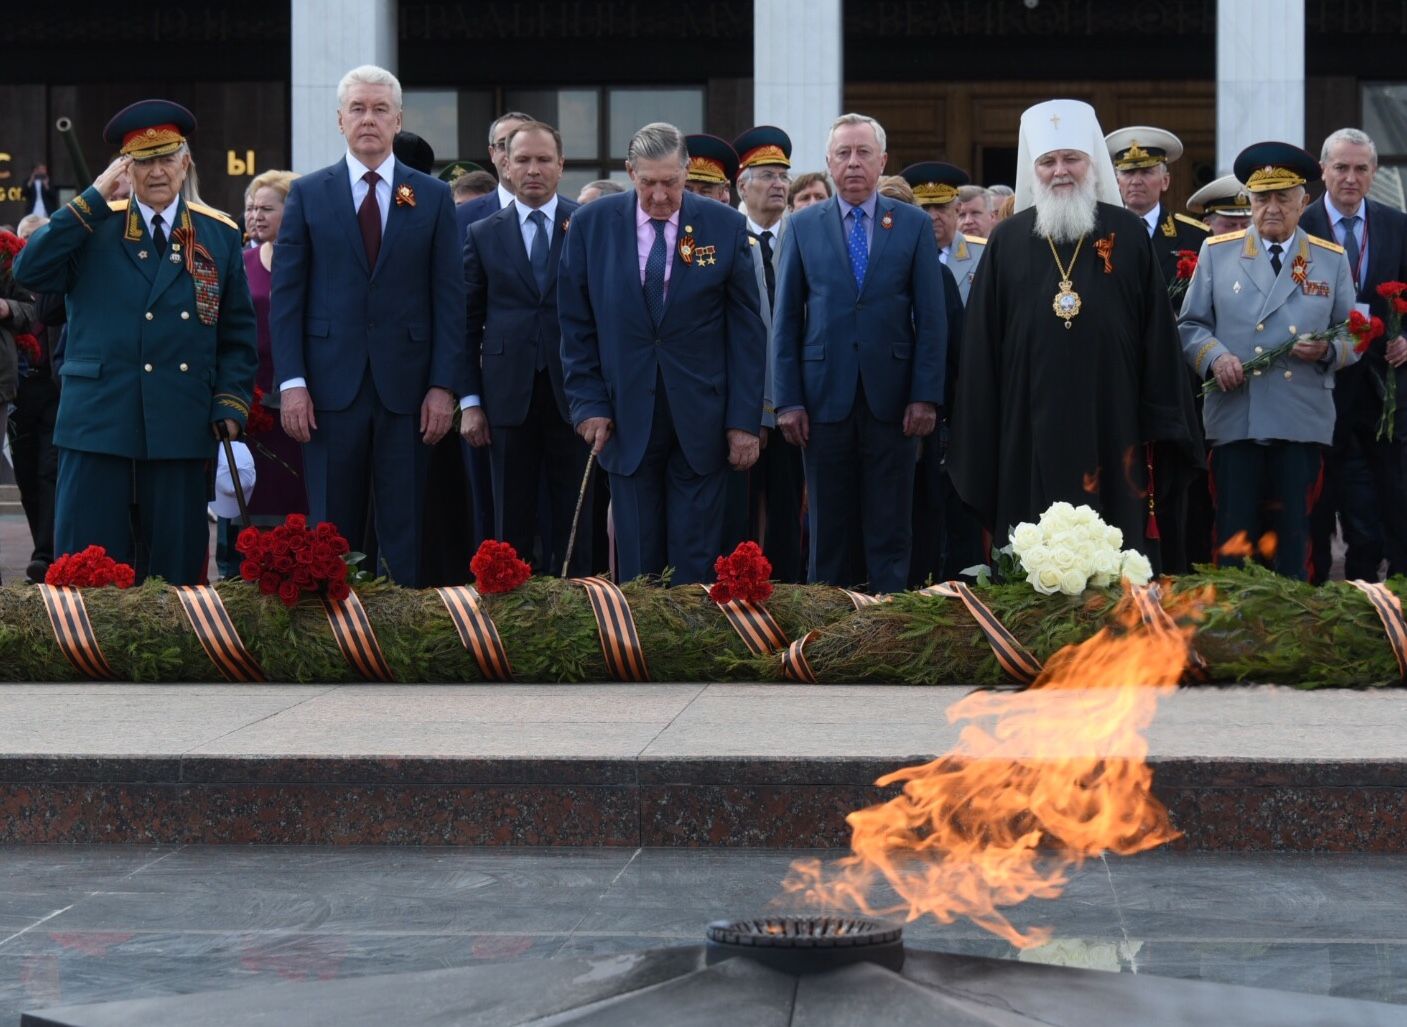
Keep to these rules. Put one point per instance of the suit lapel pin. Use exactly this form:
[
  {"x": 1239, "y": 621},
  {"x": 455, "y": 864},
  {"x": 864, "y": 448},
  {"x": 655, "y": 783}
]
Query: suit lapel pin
[
  {"x": 1236, "y": 287},
  {"x": 887, "y": 221},
  {"x": 405, "y": 195},
  {"x": 566, "y": 223},
  {"x": 141, "y": 254},
  {"x": 688, "y": 228},
  {"x": 686, "y": 247}
]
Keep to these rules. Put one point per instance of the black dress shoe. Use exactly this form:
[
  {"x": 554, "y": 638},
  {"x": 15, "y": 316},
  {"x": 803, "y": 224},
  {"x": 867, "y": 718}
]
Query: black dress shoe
[{"x": 36, "y": 570}]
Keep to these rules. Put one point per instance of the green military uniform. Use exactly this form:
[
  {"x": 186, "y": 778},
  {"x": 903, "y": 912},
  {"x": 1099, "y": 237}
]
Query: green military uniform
[{"x": 161, "y": 344}]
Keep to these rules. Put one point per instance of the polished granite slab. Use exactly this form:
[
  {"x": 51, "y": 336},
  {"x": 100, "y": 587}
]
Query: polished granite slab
[{"x": 85, "y": 924}]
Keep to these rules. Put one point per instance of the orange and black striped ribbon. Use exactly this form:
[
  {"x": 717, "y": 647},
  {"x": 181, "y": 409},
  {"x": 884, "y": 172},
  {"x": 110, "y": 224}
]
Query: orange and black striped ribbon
[
  {"x": 754, "y": 625},
  {"x": 1149, "y": 601},
  {"x": 74, "y": 632},
  {"x": 352, "y": 630},
  {"x": 1390, "y": 613},
  {"x": 217, "y": 635},
  {"x": 795, "y": 665},
  {"x": 1013, "y": 657},
  {"x": 477, "y": 631},
  {"x": 620, "y": 645},
  {"x": 861, "y": 600}
]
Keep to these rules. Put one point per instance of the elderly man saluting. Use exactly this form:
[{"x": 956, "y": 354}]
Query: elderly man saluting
[
  {"x": 161, "y": 349},
  {"x": 1253, "y": 290}
]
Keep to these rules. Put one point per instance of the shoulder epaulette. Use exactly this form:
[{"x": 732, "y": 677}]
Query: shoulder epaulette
[
  {"x": 1228, "y": 237},
  {"x": 975, "y": 240},
  {"x": 211, "y": 212},
  {"x": 1316, "y": 241},
  {"x": 116, "y": 204},
  {"x": 1193, "y": 222}
]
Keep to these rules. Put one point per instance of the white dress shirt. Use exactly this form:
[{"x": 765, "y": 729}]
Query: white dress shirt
[
  {"x": 1360, "y": 234},
  {"x": 1151, "y": 219},
  {"x": 505, "y": 196},
  {"x": 355, "y": 170},
  {"x": 168, "y": 215}
]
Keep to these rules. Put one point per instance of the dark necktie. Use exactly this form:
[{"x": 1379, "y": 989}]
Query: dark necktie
[
  {"x": 537, "y": 255},
  {"x": 1275, "y": 250},
  {"x": 769, "y": 273},
  {"x": 1350, "y": 245},
  {"x": 654, "y": 273},
  {"x": 158, "y": 234},
  {"x": 369, "y": 218},
  {"x": 859, "y": 247}
]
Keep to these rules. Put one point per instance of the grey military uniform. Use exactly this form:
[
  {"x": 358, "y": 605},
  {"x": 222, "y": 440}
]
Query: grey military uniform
[
  {"x": 963, "y": 257},
  {"x": 1237, "y": 304}
]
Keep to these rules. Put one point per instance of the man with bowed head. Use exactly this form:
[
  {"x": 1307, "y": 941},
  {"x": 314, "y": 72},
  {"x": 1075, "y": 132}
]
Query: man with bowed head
[
  {"x": 861, "y": 337},
  {"x": 1072, "y": 386},
  {"x": 367, "y": 318},
  {"x": 662, "y": 352}
]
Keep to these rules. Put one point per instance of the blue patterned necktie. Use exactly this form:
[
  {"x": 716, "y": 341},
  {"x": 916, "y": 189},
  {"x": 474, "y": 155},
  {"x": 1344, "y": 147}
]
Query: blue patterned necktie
[
  {"x": 654, "y": 273},
  {"x": 1350, "y": 246},
  {"x": 859, "y": 247},
  {"x": 537, "y": 256}
]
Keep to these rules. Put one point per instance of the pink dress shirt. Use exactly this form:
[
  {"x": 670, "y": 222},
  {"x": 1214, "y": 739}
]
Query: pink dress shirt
[{"x": 645, "y": 239}]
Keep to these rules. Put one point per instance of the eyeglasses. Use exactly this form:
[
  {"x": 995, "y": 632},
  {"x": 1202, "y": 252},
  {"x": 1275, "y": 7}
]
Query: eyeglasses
[
  {"x": 769, "y": 177},
  {"x": 499, "y": 144}
]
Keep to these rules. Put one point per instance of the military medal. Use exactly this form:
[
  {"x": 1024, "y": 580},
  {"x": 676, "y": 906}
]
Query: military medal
[
  {"x": 1067, "y": 301},
  {"x": 686, "y": 248},
  {"x": 175, "y": 258},
  {"x": 887, "y": 221},
  {"x": 405, "y": 196},
  {"x": 141, "y": 254}
]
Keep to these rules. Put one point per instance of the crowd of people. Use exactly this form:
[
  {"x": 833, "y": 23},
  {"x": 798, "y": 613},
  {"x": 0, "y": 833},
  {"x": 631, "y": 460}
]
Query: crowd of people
[{"x": 875, "y": 376}]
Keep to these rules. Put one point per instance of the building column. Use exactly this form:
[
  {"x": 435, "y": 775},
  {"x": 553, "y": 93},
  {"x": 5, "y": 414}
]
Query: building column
[
  {"x": 329, "y": 39},
  {"x": 797, "y": 61},
  {"x": 1259, "y": 75}
]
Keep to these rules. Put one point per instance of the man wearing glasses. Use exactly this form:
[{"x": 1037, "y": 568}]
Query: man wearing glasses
[{"x": 491, "y": 203}]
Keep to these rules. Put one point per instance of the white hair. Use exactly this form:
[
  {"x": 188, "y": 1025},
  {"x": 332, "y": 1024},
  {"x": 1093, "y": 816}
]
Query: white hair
[
  {"x": 1351, "y": 136},
  {"x": 1065, "y": 218},
  {"x": 857, "y": 119},
  {"x": 369, "y": 75},
  {"x": 657, "y": 141}
]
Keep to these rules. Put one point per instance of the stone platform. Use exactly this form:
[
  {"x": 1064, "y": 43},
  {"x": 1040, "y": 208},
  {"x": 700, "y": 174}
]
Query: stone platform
[{"x": 1250, "y": 768}]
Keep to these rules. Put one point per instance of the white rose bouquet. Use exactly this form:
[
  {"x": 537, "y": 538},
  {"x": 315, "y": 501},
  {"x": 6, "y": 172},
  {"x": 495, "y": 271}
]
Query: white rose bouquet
[{"x": 1070, "y": 549}]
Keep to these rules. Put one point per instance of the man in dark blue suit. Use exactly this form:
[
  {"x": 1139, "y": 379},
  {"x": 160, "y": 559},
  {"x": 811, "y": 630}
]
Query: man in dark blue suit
[
  {"x": 860, "y": 339},
  {"x": 367, "y": 318},
  {"x": 663, "y": 351},
  {"x": 476, "y": 464},
  {"x": 1365, "y": 476},
  {"x": 514, "y": 396}
]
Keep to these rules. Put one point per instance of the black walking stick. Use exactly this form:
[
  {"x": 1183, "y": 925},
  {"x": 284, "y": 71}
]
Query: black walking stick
[
  {"x": 238, "y": 484},
  {"x": 576, "y": 517}
]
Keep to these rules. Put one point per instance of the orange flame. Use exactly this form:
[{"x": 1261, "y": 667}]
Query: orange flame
[
  {"x": 1091, "y": 482},
  {"x": 1058, "y": 776},
  {"x": 1266, "y": 545},
  {"x": 1238, "y": 545}
]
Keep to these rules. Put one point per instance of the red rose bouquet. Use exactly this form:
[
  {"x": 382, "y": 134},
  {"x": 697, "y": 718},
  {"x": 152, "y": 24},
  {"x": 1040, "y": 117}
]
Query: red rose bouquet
[
  {"x": 259, "y": 420},
  {"x": 10, "y": 246},
  {"x": 1396, "y": 295},
  {"x": 497, "y": 568},
  {"x": 293, "y": 558},
  {"x": 92, "y": 568},
  {"x": 745, "y": 575}
]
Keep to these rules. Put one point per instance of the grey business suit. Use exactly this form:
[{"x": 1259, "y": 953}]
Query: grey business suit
[
  {"x": 964, "y": 253},
  {"x": 1268, "y": 434},
  {"x": 1236, "y": 304}
]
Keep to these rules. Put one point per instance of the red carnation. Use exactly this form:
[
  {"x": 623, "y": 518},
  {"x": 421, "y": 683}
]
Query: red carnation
[
  {"x": 92, "y": 568},
  {"x": 1186, "y": 263},
  {"x": 744, "y": 575},
  {"x": 497, "y": 568}
]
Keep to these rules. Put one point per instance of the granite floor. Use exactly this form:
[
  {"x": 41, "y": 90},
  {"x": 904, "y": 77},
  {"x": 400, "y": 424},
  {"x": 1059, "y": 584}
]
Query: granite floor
[{"x": 86, "y": 924}]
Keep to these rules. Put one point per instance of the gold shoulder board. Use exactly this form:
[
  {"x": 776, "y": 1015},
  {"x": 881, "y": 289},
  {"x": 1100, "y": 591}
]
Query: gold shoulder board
[
  {"x": 1316, "y": 241},
  {"x": 975, "y": 240},
  {"x": 211, "y": 212},
  {"x": 1228, "y": 237},
  {"x": 117, "y": 204},
  {"x": 1193, "y": 222}
]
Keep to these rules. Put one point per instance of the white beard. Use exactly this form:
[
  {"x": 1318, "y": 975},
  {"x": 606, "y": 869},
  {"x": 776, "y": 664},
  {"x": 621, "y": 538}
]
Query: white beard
[{"x": 1065, "y": 218}]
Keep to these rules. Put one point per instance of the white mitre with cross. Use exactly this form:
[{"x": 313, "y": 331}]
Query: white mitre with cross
[{"x": 1063, "y": 125}]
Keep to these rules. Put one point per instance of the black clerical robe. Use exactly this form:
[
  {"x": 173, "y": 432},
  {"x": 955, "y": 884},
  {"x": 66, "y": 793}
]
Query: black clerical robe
[{"x": 1044, "y": 413}]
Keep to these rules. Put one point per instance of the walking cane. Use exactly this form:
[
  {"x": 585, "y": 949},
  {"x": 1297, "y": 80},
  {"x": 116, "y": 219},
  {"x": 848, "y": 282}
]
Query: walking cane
[
  {"x": 234, "y": 474},
  {"x": 580, "y": 498}
]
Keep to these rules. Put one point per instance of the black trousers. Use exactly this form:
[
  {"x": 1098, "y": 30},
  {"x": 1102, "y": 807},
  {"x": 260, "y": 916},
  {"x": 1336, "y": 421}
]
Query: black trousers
[
  {"x": 860, "y": 482},
  {"x": 947, "y": 534},
  {"x": 1272, "y": 486},
  {"x": 1365, "y": 487},
  {"x": 35, "y": 458},
  {"x": 778, "y": 481},
  {"x": 542, "y": 450}
]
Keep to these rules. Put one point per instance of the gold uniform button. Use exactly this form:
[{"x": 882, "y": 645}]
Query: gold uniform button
[
  {"x": 1289, "y": 375},
  {"x": 185, "y": 315},
  {"x": 1260, "y": 349},
  {"x": 148, "y": 369},
  {"x": 150, "y": 315},
  {"x": 1256, "y": 372},
  {"x": 1260, "y": 327},
  {"x": 1293, "y": 330},
  {"x": 185, "y": 367}
]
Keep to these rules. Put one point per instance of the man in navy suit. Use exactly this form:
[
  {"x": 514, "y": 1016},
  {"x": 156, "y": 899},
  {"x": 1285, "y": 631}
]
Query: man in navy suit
[
  {"x": 1365, "y": 477},
  {"x": 663, "y": 351},
  {"x": 514, "y": 398},
  {"x": 860, "y": 340},
  {"x": 367, "y": 319}
]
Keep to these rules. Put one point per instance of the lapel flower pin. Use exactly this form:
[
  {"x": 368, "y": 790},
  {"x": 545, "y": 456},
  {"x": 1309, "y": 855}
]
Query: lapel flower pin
[
  {"x": 405, "y": 195},
  {"x": 566, "y": 223},
  {"x": 887, "y": 221}
]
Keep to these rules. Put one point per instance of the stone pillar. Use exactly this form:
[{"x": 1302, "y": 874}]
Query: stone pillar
[
  {"x": 1259, "y": 75},
  {"x": 329, "y": 38},
  {"x": 797, "y": 60}
]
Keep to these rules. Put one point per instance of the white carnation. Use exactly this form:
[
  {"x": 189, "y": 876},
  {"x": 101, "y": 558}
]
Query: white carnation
[{"x": 1135, "y": 567}]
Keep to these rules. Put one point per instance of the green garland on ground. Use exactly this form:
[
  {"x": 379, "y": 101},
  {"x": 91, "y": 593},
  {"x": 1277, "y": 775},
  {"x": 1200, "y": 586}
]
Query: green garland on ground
[{"x": 1261, "y": 627}]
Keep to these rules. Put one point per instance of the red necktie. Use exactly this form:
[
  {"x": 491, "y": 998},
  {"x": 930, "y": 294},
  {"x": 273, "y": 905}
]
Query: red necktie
[{"x": 369, "y": 218}]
